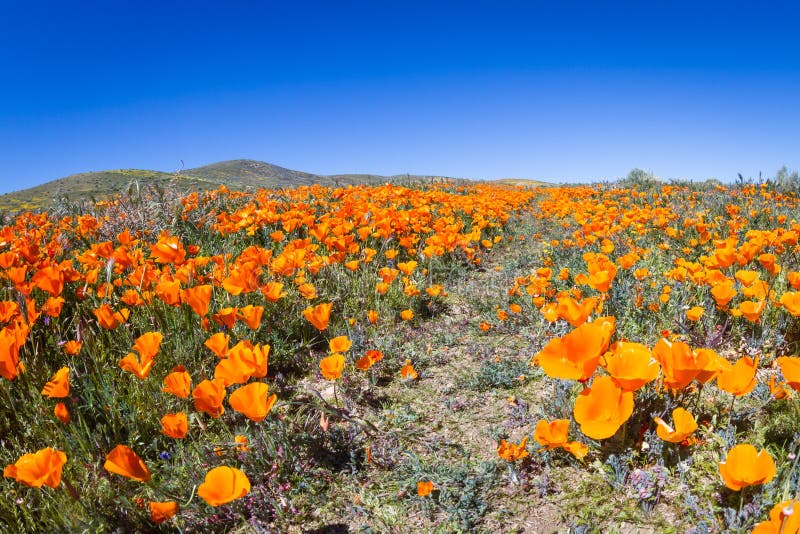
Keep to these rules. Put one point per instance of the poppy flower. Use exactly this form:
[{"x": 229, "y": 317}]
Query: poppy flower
[
  {"x": 791, "y": 302},
  {"x": 123, "y": 461},
  {"x": 408, "y": 372},
  {"x": 694, "y": 313},
  {"x": 784, "y": 518},
  {"x": 723, "y": 293},
  {"x": 42, "y": 468},
  {"x": 601, "y": 409},
  {"x": 241, "y": 442},
  {"x": 372, "y": 316},
  {"x": 252, "y": 401},
  {"x": 162, "y": 511},
  {"x": 551, "y": 434},
  {"x": 108, "y": 318},
  {"x": 512, "y": 452},
  {"x": 234, "y": 369},
  {"x": 58, "y": 386},
  {"x": 744, "y": 466},
  {"x": 225, "y": 317},
  {"x": 178, "y": 382},
  {"x": 175, "y": 425},
  {"x": 169, "y": 249},
  {"x": 10, "y": 366},
  {"x": 340, "y": 344},
  {"x": 332, "y": 366},
  {"x": 218, "y": 344},
  {"x": 147, "y": 344},
  {"x": 407, "y": 315},
  {"x": 319, "y": 315},
  {"x": 222, "y": 485},
  {"x": 684, "y": 422},
  {"x": 208, "y": 397},
  {"x": 740, "y": 378},
  {"x": 61, "y": 412},
  {"x": 678, "y": 363},
  {"x": 139, "y": 367},
  {"x": 424, "y": 488},
  {"x": 273, "y": 291},
  {"x": 369, "y": 359},
  {"x": 631, "y": 365},
  {"x": 575, "y": 355},
  {"x": 790, "y": 368},
  {"x": 751, "y": 310},
  {"x": 198, "y": 298},
  {"x": 251, "y": 316},
  {"x": 72, "y": 347}
]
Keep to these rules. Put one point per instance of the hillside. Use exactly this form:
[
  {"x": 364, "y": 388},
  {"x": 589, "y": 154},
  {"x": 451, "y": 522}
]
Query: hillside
[{"x": 240, "y": 174}]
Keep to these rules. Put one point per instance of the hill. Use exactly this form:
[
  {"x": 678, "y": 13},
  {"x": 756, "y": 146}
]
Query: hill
[{"x": 240, "y": 174}]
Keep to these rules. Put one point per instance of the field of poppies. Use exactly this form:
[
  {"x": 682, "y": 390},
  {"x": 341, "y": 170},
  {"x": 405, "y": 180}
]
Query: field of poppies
[{"x": 429, "y": 356}]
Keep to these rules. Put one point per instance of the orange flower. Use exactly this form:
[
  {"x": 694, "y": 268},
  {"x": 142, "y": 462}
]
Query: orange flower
[
  {"x": 58, "y": 387},
  {"x": 406, "y": 315},
  {"x": 372, "y": 316},
  {"x": 551, "y": 434},
  {"x": 251, "y": 315},
  {"x": 123, "y": 461},
  {"x": 208, "y": 397},
  {"x": 424, "y": 488},
  {"x": 226, "y": 317},
  {"x": 740, "y": 378},
  {"x": 694, "y": 314},
  {"x": 511, "y": 452},
  {"x": 601, "y": 409},
  {"x": 241, "y": 442},
  {"x": 369, "y": 359},
  {"x": 168, "y": 250},
  {"x": 790, "y": 368},
  {"x": 178, "y": 382},
  {"x": 484, "y": 326},
  {"x": 752, "y": 310},
  {"x": 340, "y": 344},
  {"x": 162, "y": 511},
  {"x": 198, "y": 298},
  {"x": 408, "y": 372},
  {"x": 784, "y": 518},
  {"x": 218, "y": 344},
  {"x": 684, "y": 422},
  {"x": 273, "y": 291},
  {"x": 576, "y": 355},
  {"x": 147, "y": 344},
  {"x": 10, "y": 366},
  {"x": 61, "y": 412},
  {"x": 175, "y": 425},
  {"x": 791, "y": 302},
  {"x": 631, "y": 365},
  {"x": 234, "y": 369},
  {"x": 319, "y": 315},
  {"x": 252, "y": 401},
  {"x": 678, "y": 362},
  {"x": 723, "y": 293},
  {"x": 332, "y": 366},
  {"x": 140, "y": 368},
  {"x": 222, "y": 485},
  {"x": 109, "y": 319},
  {"x": 744, "y": 466},
  {"x": 72, "y": 347},
  {"x": 42, "y": 468}
]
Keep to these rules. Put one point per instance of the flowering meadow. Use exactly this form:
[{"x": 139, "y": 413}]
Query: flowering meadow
[{"x": 426, "y": 356}]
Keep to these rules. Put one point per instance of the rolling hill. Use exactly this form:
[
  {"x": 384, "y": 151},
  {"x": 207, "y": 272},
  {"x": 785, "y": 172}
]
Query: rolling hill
[{"x": 237, "y": 174}]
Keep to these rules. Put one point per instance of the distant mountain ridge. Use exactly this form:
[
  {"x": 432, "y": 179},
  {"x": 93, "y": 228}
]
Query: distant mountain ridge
[{"x": 239, "y": 174}]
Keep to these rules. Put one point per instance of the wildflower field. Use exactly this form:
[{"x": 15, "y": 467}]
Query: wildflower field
[{"x": 436, "y": 357}]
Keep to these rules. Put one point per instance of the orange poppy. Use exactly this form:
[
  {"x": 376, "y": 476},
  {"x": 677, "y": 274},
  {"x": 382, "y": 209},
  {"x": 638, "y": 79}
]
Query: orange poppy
[
  {"x": 178, "y": 382},
  {"x": 678, "y": 363},
  {"x": 147, "y": 344},
  {"x": 332, "y": 366},
  {"x": 372, "y": 316},
  {"x": 252, "y": 401},
  {"x": 408, "y": 372},
  {"x": 222, "y": 485},
  {"x": 512, "y": 452},
  {"x": 784, "y": 518},
  {"x": 58, "y": 386},
  {"x": 109, "y": 319},
  {"x": 208, "y": 397},
  {"x": 139, "y": 367},
  {"x": 218, "y": 344},
  {"x": 162, "y": 511},
  {"x": 175, "y": 425},
  {"x": 694, "y": 313},
  {"x": 234, "y": 369},
  {"x": 72, "y": 347},
  {"x": 740, "y": 378},
  {"x": 198, "y": 298},
  {"x": 601, "y": 409},
  {"x": 225, "y": 317},
  {"x": 424, "y": 488},
  {"x": 251, "y": 316},
  {"x": 551, "y": 434},
  {"x": 684, "y": 422},
  {"x": 723, "y": 293},
  {"x": 10, "y": 366},
  {"x": 791, "y": 302},
  {"x": 744, "y": 466},
  {"x": 123, "y": 461},
  {"x": 790, "y": 368},
  {"x": 340, "y": 344},
  {"x": 61, "y": 412},
  {"x": 407, "y": 315},
  {"x": 631, "y": 365},
  {"x": 574, "y": 356},
  {"x": 369, "y": 359},
  {"x": 319, "y": 315},
  {"x": 751, "y": 310},
  {"x": 42, "y": 468},
  {"x": 273, "y": 291},
  {"x": 168, "y": 250}
]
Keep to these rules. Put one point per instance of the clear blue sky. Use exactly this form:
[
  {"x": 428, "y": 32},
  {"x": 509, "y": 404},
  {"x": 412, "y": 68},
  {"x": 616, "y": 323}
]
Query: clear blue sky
[{"x": 548, "y": 90}]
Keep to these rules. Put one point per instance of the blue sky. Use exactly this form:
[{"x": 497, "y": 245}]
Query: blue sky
[{"x": 559, "y": 91}]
